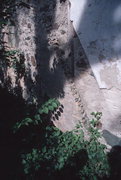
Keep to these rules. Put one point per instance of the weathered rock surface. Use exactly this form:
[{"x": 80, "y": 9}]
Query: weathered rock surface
[
  {"x": 97, "y": 24},
  {"x": 60, "y": 64}
]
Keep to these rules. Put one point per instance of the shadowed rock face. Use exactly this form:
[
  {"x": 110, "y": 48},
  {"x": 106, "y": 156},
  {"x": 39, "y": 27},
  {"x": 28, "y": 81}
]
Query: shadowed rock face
[
  {"x": 114, "y": 158},
  {"x": 42, "y": 32},
  {"x": 111, "y": 139},
  {"x": 39, "y": 31},
  {"x": 53, "y": 54}
]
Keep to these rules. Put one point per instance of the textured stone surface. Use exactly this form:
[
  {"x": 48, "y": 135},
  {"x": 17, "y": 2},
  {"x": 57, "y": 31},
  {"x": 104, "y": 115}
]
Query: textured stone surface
[
  {"x": 97, "y": 24},
  {"x": 42, "y": 31},
  {"x": 56, "y": 65}
]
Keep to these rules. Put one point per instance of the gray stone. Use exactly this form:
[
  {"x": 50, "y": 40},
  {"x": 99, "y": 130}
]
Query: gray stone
[
  {"x": 97, "y": 24},
  {"x": 98, "y": 28},
  {"x": 111, "y": 139}
]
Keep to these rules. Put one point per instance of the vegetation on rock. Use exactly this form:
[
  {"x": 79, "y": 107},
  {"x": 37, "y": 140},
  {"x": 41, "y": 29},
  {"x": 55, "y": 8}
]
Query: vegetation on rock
[{"x": 55, "y": 154}]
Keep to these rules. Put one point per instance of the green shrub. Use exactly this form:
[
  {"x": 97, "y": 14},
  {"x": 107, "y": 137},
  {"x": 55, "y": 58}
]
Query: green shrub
[
  {"x": 46, "y": 108},
  {"x": 97, "y": 164},
  {"x": 56, "y": 151}
]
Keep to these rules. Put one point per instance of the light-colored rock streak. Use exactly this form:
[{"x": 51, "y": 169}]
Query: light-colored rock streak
[{"x": 97, "y": 24}]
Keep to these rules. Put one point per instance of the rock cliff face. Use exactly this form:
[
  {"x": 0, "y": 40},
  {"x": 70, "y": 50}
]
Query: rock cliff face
[
  {"x": 39, "y": 31},
  {"x": 97, "y": 24},
  {"x": 38, "y": 38},
  {"x": 42, "y": 56}
]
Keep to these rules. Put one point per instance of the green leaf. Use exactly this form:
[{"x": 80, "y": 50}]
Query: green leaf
[
  {"x": 93, "y": 113},
  {"x": 46, "y": 104},
  {"x": 51, "y": 108},
  {"x": 40, "y": 111},
  {"x": 44, "y": 149},
  {"x": 37, "y": 117},
  {"x": 45, "y": 110},
  {"x": 94, "y": 178},
  {"x": 48, "y": 128},
  {"x": 26, "y": 123},
  {"x": 27, "y": 120},
  {"x": 54, "y": 105},
  {"x": 3, "y": 23},
  {"x": 50, "y": 101},
  {"x": 36, "y": 122},
  {"x": 57, "y": 133},
  {"x": 23, "y": 161},
  {"x": 57, "y": 102},
  {"x": 26, "y": 171}
]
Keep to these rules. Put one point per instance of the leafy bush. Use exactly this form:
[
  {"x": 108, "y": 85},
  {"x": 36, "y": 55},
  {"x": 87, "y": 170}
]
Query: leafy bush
[
  {"x": 55, "y": 152},
  {"x": 97, "y": 165},
  {"x": 46, "y": 108}
]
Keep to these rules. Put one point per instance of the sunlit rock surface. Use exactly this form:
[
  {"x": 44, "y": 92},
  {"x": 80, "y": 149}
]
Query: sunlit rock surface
[{"x": 98, "y": 26}]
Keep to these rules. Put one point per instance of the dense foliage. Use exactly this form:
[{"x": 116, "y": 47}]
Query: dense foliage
[{"x": 51, "y": 153}]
